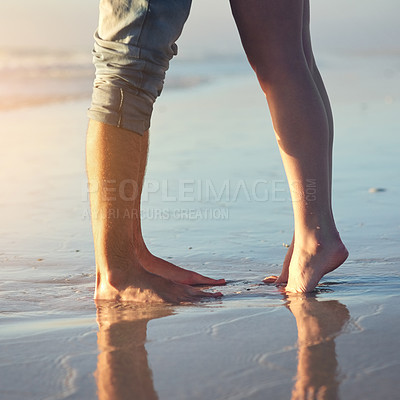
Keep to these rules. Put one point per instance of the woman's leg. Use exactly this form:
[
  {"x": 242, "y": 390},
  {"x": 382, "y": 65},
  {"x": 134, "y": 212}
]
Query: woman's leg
[
  {"x": 308, "y": 53},
  {"x": 272, "y": 36}
]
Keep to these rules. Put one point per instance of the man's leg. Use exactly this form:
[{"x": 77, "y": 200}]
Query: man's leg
[
  {"x": 271, "y": 33},
  {"x": 134, "y": 43},
  {"x": 113, "y": 167}
]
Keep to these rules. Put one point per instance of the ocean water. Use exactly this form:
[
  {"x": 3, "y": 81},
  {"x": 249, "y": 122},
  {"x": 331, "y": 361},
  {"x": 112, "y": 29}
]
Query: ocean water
[
  {"x": 38, "y": 77},
  {"x": 215, "y": 201},
  {"x": 34, "y": 77}
]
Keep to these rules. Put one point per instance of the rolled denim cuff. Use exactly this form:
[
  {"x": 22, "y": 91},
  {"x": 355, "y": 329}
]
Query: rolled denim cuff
[
  {"x": 134, "y": 43},
  {"x": 117, "y": 106}
]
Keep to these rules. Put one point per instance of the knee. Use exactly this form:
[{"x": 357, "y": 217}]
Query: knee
[{"x": 277, "y": 68}]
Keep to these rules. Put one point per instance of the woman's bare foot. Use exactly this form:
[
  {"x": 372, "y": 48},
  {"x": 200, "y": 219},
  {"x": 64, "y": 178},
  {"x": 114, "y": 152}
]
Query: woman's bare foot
[
  {"x": 135, "y": 284},
  {"x": 306, "y": 278},
  {"x": 170, "y": 271},
  {"x": 283, "y": 277},
  {"x": 311, "y": 261}
]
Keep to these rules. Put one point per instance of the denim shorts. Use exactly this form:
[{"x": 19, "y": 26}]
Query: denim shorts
[{"x": 134, "y": 43}]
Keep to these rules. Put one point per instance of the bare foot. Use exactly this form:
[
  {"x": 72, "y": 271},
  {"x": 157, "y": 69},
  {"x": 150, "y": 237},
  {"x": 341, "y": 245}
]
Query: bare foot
[
  {"x": 167, "y": 270},
  {"x": 309, "y": 263},
  {"x": 138, "y": 285},
  {"x": 283, "y": 277}
]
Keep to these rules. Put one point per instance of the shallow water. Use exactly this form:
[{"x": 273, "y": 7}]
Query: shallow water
[
  {"x": 254, "y": 343},
  {"x": 59, "y": 346}
]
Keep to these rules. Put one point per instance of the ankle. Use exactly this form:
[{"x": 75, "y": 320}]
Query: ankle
[
  {"x": 115, "y": 263},
  {"x": 316, "y": 240},
  {"x": 139, "y": 246},
  {"x": 116, "y": 278}
]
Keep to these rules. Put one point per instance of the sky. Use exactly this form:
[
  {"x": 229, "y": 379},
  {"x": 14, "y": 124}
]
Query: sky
[{"x": 337, "y": 25}]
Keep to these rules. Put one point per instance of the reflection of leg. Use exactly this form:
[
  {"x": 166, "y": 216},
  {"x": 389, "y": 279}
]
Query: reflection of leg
[
  {"x": 316, "y": 373},
  {"x": 123, "y": 370},
  {"x": 271, "y": 35},
  {"x": 113, "y": 156},
  {"x": 318, "y": 323},
  {"x": 308, "y": 53},
  {"x": 149, "y": 261}
]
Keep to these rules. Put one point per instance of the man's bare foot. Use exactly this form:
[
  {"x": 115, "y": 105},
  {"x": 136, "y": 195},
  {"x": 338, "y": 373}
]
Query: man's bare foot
[
  {"x": 310, "y": 262},
  {"x": 135, "y": 284},
  {"x": 167, "y": 270},
  {"x": 283, "y": 277}
]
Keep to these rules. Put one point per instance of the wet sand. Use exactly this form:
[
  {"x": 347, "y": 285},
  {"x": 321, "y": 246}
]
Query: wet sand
[{"x": 215, "y": 201}]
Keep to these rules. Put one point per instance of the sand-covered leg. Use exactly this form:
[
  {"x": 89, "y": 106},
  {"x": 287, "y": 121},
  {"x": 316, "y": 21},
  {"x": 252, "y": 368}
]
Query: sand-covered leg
[
  {"x": 134, "y": 44},
  {"x": 113, "y": 156}
]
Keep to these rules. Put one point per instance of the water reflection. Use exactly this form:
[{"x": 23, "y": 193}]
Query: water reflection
[
  {"x": 123, "y": 371},
  {"x": 318, "y": 324}
]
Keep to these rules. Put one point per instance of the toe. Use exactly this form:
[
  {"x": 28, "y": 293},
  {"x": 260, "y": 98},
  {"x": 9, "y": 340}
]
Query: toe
[
  {"x": 216, "y": 282},
  {"x": 270, "y": 279},
  {"x": 200, "y": 293},
  {"x": 197, "y": 279}
]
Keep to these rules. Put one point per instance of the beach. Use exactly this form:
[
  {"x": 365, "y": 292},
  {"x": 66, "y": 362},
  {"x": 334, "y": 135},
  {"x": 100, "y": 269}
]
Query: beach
[{"x": 216, "y": 201}]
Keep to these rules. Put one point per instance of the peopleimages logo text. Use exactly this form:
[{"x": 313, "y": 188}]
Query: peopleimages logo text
[{"x": 198, "y": 190}]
